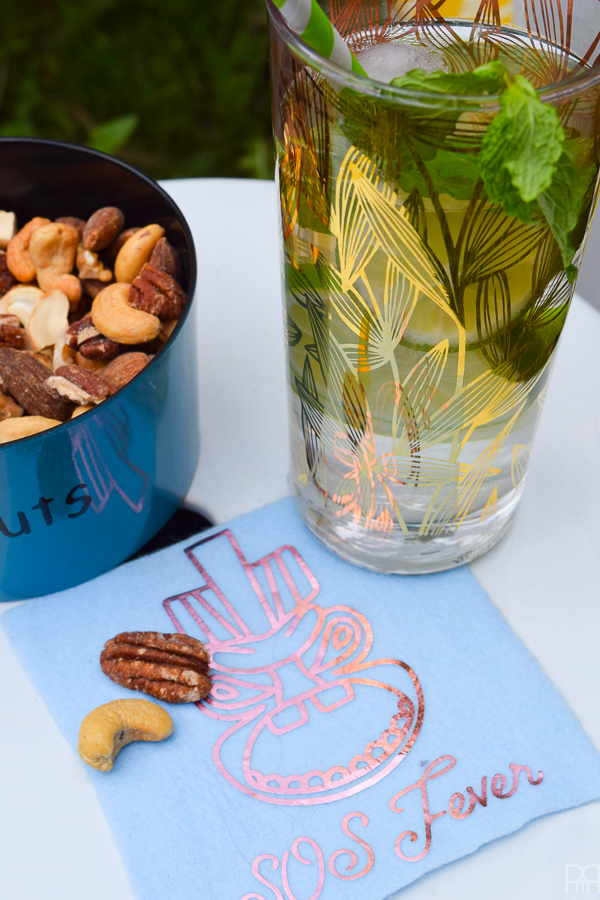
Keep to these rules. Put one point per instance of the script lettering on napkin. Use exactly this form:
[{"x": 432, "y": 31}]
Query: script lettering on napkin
[
  {"x": 320, "y": 860},
  {"x": 457, "y": 800}
]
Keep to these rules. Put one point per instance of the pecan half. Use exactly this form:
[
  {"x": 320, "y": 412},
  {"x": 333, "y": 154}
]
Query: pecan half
[
  {"x": 100, "y": 347},
  {"x": 25, "y": 377},
  {"x": 80, "y": 331},
  {"x": 7, "y": 279},
  {"x": 79, "y": 385},
  {"x": 87, "y": 340},
  {"x": 171, "y": 667},
  {"x": 12, "y": 333},
  {"x": 102, "y": 228},
  {"x": 166, "y": 258},
  {"x": 156, "y": 292}
]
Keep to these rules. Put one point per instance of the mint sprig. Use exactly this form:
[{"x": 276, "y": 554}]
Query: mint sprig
[
  {"x": 488, "y": 79},
  {"x": 523, "y": 142},
  {"x": 524, "y": 161},
  {"x": 561, "y": 204}
]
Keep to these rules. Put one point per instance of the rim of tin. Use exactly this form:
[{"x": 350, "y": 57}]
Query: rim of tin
[
  {"x": 370, "y": 87},
  {"x": 190, "y": 293}
]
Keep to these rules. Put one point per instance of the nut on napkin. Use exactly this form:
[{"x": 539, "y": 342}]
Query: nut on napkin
[{"x": 171, "y": 667}]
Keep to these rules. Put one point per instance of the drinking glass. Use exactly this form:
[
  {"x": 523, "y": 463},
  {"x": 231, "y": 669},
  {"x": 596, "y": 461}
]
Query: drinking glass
[{"x": 422, "y": 319}]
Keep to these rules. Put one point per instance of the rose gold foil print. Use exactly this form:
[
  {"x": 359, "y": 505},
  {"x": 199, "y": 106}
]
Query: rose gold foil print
[{"x": 333, "y": 658}]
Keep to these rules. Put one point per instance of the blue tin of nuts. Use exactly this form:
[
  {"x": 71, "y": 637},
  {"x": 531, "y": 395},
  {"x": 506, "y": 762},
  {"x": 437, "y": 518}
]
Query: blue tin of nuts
[{"x": 82, "y": 497}]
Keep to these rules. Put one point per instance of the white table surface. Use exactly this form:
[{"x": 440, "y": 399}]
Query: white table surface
[{"x": 544, "y": 576}]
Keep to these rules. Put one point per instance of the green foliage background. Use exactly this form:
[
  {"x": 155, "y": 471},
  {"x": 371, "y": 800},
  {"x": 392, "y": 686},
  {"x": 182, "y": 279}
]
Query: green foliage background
[{"x": 179, "y": 88}]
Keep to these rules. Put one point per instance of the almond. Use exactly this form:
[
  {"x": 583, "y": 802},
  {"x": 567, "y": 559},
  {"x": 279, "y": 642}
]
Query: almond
[
  {"x": 25, "y": 377},
  {"x": 74, "y": 222},
  {"x": 92, "y": 286},
  {"x": 124, "y": 368},
  {"x": 166, "y": 258},
  {"x": 102, "y": 228}
]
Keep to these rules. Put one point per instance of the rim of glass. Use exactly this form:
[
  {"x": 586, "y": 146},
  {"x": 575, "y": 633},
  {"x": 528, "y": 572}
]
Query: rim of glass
[{"x": 562, "y": 89}]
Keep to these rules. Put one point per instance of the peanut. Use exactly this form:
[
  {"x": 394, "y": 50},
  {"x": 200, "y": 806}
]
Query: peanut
[
  {"x": 135, "y": 252},
  {"x": 117, "y": 320}
]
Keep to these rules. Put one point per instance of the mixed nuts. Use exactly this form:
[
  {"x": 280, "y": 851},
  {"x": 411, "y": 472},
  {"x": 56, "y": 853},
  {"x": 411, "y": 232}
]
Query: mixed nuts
[
  {"x": 84, "y": 306},
  {"x": 170, "y": 667}
]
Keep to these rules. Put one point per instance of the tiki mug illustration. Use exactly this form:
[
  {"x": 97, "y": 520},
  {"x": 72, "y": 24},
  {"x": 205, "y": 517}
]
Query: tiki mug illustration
[{"x": 294, "y": 681}]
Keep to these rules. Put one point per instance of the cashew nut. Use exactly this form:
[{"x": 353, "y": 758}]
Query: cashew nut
[
  {"x": 117, "y": 320},
  {"x": 94, "y": 365},
  {"x": 52, "y": 249},
  {"x": 18, "y": 258},
  {"x": 8, "y": 223},
  {"x": 89, "y": 266},
  {"x": 135, "y": 252},
  {"x": 79, "y": 410},
  {"x": 49, "y": 320},
  {"x": 112, "y": 726},
  {"x": 62, "y": 355},
  {"x": 14, "y": 429},
  {"x": 25, "y": 296}
]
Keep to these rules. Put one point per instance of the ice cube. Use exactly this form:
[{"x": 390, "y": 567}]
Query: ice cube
[{"x": 385, "y": 61}]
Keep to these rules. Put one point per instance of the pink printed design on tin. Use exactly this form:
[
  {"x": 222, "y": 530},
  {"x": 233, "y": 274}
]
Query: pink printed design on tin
[
  {"x": 99, "y": 455},
  {"x": 325, "y": 648}
]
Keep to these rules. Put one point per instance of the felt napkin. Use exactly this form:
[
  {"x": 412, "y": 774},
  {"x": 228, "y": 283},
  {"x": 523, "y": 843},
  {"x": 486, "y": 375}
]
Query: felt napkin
[{"x": 362, "y": 729}]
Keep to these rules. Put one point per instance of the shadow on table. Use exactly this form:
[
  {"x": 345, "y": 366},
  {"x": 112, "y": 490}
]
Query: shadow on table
[{"x": 181, "y": 526}]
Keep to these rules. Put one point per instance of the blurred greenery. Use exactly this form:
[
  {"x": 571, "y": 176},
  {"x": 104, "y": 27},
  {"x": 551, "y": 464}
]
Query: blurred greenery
[{"x": 177, "y": 88}]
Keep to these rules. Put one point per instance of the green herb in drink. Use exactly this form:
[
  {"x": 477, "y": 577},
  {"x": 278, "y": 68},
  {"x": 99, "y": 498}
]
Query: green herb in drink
[{"x": 523, "y": 161}]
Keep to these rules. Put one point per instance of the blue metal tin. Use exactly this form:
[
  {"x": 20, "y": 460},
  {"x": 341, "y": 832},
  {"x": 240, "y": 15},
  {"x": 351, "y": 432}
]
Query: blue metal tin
[{"x": 82, "y": 497}]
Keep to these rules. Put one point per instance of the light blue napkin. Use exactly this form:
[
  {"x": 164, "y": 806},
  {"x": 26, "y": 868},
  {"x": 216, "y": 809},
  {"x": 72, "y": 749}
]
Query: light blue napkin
[{"x": 362, "y": 730}]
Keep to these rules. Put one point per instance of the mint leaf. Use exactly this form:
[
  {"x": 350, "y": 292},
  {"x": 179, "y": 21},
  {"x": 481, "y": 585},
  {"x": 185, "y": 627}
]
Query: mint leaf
[
  {"x": 489, "y": 78},
  {"x": 455, "y": 174},
  {"x": 520, "y": 150},
  {"x": 561, "y": 204}
]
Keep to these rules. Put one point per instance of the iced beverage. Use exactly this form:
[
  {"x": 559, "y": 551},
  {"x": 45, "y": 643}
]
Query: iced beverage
[{"x": 428, "y": 265}]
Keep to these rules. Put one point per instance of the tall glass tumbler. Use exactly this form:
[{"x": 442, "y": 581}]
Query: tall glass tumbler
[{"x": 423, "y": 318}]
